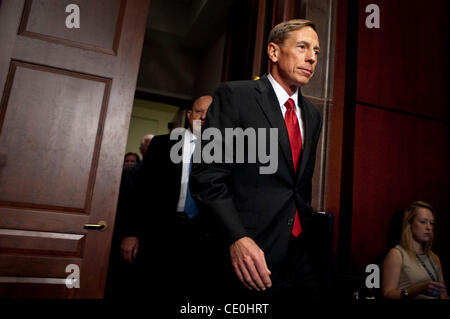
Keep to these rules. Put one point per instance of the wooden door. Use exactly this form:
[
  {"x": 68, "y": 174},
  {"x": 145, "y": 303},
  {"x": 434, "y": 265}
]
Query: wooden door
[{"x": 66, "y": 99}]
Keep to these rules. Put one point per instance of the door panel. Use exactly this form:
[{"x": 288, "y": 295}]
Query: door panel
[
  {"x": 61, "y": 115},
  {"x": 66, "y": 99},
  {"x": 33, "y": 242},
  {"x": 99, "y": 29}
]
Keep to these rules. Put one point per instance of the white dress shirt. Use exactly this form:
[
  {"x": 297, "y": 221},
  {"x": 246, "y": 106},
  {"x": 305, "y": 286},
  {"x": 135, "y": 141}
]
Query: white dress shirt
[
  {"x": 282, "y": 97},
  {"x": 188, "y": 150}
]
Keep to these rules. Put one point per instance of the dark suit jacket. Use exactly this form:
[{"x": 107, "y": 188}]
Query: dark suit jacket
[
  {"x": 171, "y": 248},
  {"x": 158, "y": 183},
  {"x": 240, "y": 201},
  {"x": 124, "y": 224},
  {"x": 159, "y": 186}
]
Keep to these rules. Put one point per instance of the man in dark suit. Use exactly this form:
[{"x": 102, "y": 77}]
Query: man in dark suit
[
  {"x": 125, "y": 218},
  {"x": 124, "y": 271},
  {"x": 264, "y": 220},
  {"x": 168, "y": 228}
]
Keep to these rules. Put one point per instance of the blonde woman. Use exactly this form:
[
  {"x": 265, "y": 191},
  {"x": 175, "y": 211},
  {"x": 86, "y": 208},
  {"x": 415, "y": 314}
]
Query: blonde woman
[{"x": 411, "y": 270}]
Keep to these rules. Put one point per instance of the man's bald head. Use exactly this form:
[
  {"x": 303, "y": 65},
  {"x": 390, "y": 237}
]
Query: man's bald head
[
  {"x": 145, "y": 143},
  {"x": 199, "y": 108}
]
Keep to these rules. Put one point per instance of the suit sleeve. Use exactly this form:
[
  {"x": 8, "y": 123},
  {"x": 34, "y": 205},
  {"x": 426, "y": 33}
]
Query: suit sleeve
[{"x": 210, "y": 182}]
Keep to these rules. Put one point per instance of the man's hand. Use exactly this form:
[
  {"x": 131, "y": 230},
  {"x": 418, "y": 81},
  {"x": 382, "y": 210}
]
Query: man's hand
[
  {"x": 249, "y": 264},
  {"x": 129, "y": 248}
]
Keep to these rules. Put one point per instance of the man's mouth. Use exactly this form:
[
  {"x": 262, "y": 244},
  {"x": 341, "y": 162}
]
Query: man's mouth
[{"x": 306, "y": 70}]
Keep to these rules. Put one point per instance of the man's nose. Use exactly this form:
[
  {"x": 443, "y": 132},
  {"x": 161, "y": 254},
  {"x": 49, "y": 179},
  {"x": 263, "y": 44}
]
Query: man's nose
[{"x": 311, "y": 56}]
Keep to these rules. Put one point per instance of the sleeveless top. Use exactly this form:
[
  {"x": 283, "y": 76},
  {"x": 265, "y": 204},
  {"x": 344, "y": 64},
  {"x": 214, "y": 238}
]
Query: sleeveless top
[{"x": 412, "y": 272}]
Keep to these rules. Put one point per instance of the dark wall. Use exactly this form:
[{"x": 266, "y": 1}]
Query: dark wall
[
  {"x": 398, "y": 119},
  {"x": 401, "y": 132},
  {"x": 240, "y": 43}
]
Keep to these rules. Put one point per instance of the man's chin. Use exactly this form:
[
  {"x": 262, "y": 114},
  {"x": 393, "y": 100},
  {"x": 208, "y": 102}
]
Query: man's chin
[
  {"x": 303, "y": 79},
  {"x": 302, "y": 82}
]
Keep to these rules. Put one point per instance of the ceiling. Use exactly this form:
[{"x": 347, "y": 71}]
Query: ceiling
[{"x": 193, "y": 23}]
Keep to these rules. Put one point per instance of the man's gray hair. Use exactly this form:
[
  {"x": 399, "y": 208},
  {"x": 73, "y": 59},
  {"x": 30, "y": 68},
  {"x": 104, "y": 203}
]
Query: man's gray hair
[{"x": 281, "y": 31}]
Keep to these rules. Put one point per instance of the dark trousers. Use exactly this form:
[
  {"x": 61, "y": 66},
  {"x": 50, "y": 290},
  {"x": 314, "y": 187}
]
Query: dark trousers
[
  {"x": 295, "y": 282},
  {"x": 188, "y": 262},
  {"x": 125, "y": 280},
  {"x": 298, "y": 273}
]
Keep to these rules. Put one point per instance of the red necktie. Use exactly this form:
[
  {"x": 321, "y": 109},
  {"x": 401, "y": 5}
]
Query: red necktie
[{"x": 295, "y": 139}]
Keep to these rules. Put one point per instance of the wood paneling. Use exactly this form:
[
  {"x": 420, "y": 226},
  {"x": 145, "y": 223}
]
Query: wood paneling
[
  {"x": 66, "y": 99},
  {"x": 318, "y": 179},
  {"x": 36, "y": 266},
  {"x": 43, "y": 243},
  {"x": 48, "y": 221},
  {"x": 403, "y": 65},
  {"x": 260, "y": 45},
  {"x": 389, "y": 123},
  {"x": 100, "y": 23},
  {"x": 60, "y": 134},
  {"x": 398, "y": 159},
  {"x": 240, "y": 42},
  {"x": 341, "y": 134},
  {"x": 33, "y": 290}
]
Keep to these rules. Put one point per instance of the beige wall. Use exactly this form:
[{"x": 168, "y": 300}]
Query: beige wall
[{"x": 149, "y": 118}]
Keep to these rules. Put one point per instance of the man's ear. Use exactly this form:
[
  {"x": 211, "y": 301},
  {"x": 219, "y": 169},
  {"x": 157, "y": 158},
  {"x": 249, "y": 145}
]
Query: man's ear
[
  {"x": 189, "y": 114},
  {"x": 273, "y": 51}
]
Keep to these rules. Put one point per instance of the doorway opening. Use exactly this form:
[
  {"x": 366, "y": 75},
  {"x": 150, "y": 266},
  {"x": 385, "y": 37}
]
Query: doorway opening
[{"x": 190, "y": 47}]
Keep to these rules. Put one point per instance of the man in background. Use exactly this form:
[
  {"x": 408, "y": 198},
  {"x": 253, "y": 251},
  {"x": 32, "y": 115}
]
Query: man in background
[
  {"x": 169, "y": 231},
  {"x": 129, "y": 245},
  {"x": 124, "y": 271},
  {"x": 131, "y": 159},
  {"x": 145, "y": 143}
]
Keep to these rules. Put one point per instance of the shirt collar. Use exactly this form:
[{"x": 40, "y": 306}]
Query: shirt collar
[
  {"x": 281, "y": 94},
  {"x": 190, "y": 135}
]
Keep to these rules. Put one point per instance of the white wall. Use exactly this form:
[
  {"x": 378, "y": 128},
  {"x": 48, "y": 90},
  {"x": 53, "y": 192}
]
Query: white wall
[{"x": 149, "y": 118}]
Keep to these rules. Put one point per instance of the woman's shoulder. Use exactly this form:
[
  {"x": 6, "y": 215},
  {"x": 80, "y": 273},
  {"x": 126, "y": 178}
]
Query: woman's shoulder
[{"x": 396, "y": 252}]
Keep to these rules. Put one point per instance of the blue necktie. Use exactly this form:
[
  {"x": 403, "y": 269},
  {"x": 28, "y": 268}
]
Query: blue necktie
[{"x": 190, "y": 207}]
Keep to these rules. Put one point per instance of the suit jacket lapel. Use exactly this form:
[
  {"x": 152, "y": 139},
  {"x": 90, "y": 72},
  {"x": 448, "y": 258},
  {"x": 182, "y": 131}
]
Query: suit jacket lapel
[
  {"x": 269, "y": 104},
  {"x": 306, "y": 138}
]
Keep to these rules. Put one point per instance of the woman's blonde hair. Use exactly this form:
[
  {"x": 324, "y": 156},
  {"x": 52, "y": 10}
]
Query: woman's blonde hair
[{"x": 407, "y": 236}]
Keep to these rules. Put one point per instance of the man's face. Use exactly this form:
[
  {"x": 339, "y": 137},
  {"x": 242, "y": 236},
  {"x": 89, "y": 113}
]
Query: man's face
[
  {"x": 296, "y": 58},
  {"x": 198, "y": 111},
  {"x": 130, "y": 160}
]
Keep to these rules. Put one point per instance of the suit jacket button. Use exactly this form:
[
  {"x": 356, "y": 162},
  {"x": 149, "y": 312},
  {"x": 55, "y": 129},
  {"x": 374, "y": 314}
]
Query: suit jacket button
[{"x": 290, "y": 221}]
